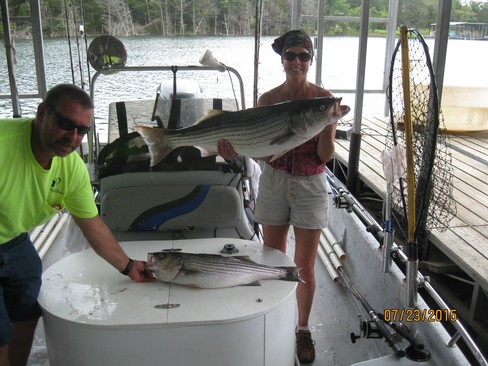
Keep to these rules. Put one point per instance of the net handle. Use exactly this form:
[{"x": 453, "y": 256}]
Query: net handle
[{"x": 408, "y": 133}]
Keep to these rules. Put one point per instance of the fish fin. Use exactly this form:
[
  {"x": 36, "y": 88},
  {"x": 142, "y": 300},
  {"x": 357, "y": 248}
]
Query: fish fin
[
  {"x": 206, "y": 152},
  {"x": 158, "y": 150},
  {"x": 278, "y": 155},
  {"x": 245, "y": 258},
  {"x": 211, "y": 113},
  {"x": 344, "y": 109},
  {"x": 291, "y": 274}
]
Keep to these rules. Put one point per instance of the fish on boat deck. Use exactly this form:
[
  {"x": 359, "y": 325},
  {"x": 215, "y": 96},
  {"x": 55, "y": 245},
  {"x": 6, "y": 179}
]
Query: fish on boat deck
[
  {"x": 213, "y": 270},
  {"x": 255, "y": 132}
]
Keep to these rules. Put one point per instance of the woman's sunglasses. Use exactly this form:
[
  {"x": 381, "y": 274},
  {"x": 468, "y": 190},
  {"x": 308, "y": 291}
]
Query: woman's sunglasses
[
  {"x": 303, "y": 57},
  {"x": 67, "y": 124}
]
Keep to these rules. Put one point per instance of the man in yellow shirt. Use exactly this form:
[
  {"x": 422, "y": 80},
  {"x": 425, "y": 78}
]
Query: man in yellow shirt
[{"x": 41, "y": 175}]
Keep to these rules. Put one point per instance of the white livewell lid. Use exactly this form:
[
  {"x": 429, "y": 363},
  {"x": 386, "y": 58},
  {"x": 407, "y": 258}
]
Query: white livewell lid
[{"x": 84, "y": 288}]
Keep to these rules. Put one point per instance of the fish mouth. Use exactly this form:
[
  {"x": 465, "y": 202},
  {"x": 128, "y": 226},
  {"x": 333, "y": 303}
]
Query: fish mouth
[{"x": 150, "y": 263}]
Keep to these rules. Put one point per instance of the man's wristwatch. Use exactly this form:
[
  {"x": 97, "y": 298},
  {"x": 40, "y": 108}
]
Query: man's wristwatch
[{"x": 127, "y": 269}]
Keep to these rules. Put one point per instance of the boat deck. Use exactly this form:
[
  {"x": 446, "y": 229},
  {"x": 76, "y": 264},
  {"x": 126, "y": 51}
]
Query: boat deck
[{"x": 465, "y": 242}]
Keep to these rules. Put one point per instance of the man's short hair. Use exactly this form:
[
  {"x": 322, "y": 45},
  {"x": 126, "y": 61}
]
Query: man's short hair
[{"x": 60, "y": 91}]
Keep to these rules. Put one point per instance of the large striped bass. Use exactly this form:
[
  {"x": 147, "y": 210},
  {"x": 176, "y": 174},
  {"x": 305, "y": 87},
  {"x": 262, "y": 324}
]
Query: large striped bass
[
  {"x": 214, "y": 271},
  {"x": 255, "y": 132}
]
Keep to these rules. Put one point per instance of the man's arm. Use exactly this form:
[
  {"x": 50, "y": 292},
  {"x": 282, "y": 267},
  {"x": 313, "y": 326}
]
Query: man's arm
[{"x": 103, "y": 242}]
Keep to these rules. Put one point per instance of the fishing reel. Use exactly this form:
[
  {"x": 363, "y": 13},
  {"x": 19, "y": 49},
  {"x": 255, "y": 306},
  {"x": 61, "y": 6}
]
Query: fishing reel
[
  {"x": 343, "y": 200},
  {"x": 367, "y": 329}
]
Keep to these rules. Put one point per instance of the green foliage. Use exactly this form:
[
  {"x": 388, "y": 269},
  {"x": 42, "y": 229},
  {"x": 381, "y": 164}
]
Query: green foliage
[{"x": 230, "y": 17}]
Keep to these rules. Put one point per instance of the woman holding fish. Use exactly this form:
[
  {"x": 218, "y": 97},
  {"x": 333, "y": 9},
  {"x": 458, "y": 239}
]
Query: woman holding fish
[{"x": 292, "y": 188}]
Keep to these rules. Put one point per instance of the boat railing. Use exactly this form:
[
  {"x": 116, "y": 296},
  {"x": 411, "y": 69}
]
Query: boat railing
[
  {"x": 92, "y": 138},
  {"x": 43, "y": 236},
  {"x": 460, "y": 329},
  {"x": 345, "y": 200}
]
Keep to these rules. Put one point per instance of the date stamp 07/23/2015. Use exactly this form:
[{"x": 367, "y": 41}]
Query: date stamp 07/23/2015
[{"x": 419, "y": 315}]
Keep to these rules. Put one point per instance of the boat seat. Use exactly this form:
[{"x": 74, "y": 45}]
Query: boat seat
[
  {"x": 184, "y": 192},
  {"x": 169, "y": 201},
  {"x": 184, "y": 112},
  {"x": 160, "y": 112}
]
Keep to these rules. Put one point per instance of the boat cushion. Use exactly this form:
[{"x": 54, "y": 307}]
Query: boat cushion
[{"x": 146, "y": 202}]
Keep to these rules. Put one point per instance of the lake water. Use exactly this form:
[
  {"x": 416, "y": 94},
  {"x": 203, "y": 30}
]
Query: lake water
[{"x": 465, "y": 67}]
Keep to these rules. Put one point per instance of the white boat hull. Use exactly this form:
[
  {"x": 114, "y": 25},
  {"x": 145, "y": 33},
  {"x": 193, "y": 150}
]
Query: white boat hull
[{"x": 386, "y": 293}]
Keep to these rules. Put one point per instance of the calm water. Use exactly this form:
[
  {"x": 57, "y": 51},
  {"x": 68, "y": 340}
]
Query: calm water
[{"x": 465, "y": 66}]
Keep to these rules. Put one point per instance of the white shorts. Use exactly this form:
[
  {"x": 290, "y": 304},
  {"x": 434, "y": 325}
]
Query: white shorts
[{"x": 284, "y": 199}]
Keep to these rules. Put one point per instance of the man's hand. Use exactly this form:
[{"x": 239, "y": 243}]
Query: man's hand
[{"x": 139, "y": 273}]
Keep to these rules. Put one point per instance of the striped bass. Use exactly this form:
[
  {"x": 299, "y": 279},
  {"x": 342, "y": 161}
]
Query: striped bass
[
  {"x": 213, "y": 270},
  {"x": 255, "y": 132}
]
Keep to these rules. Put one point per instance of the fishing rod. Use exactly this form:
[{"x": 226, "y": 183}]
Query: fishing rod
[
  {"x": 78, "y": 49},
  {"x": 392, "y": 341},
  {"x": 379, "y": 330},
  {"x": 82, "y": 9},
  {"x": 344, "y": 199},
  {"x": 69, "y": 41}
]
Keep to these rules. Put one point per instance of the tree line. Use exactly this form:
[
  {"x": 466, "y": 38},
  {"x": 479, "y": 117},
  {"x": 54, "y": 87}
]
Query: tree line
[{"x": 222, "y": 17}]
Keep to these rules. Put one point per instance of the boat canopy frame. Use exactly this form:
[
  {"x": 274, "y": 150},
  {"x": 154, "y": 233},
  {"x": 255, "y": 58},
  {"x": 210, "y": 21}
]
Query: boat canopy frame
[{"x": 93, "y": 144}]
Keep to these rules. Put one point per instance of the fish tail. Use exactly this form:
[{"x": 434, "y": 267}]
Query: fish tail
[
  {"x": 153, "y": 137},
  {"x": 291, "y": 274}
]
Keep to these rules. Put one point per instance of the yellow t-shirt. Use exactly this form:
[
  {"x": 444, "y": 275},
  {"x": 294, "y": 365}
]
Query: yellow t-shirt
[{"x": 29, "y": 194}]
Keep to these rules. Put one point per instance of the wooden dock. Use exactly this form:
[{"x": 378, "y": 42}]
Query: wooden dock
[{"x": 465, "y": 242}]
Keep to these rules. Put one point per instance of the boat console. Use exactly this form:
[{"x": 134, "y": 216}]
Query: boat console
[{"x": 186, "y": 195}]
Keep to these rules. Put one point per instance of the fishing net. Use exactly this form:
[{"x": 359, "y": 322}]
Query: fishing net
[{"x": 434, "y": 202}]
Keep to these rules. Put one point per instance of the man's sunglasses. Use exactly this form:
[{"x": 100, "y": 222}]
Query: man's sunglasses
[
  {"x": 303, "y": 57},
  {"x": 67, "y": 124}
]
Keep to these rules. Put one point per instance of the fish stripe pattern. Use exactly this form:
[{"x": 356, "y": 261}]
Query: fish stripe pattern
[
  {"x": 214, "y": 271},
  {"x": 255, "y": 132}
]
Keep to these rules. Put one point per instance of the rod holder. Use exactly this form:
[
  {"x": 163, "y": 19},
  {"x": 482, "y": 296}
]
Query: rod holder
[{"x": 412, "y": 269}]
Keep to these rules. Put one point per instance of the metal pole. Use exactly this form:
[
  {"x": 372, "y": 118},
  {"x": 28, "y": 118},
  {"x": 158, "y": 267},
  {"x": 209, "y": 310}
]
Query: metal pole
[
  {"x": 390, "y": 45},
  {"x": 355, "y": 146},
  {"x": 440, "y": 43},
  {"x": 320, "y": 43},
  {"x": 14, "y": 94},
  {"x": 257, "y": 41},
  {"x": 38, "y": 44},
  {"x": 388, "y": 238}
]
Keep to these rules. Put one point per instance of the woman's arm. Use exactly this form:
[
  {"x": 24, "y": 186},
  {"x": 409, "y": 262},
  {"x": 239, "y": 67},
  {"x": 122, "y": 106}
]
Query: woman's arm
[{"x": 326, "y": 144}]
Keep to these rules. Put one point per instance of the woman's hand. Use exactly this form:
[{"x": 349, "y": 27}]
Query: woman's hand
[{"x": 225, "y": 149}]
